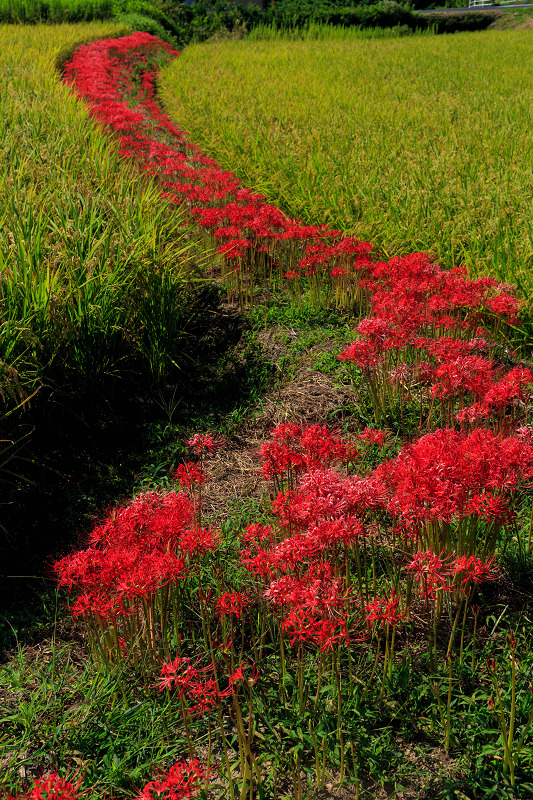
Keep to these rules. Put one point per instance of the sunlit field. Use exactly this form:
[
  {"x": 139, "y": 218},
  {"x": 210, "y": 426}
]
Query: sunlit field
[
  {"x": 417, "y": 143},
  {"x": 280, "y": 546}
]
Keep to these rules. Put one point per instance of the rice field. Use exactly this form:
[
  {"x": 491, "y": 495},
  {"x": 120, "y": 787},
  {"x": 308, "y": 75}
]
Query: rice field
[
  {"x": 326, "y": 591},
  {"x": 414, "y": 143}
]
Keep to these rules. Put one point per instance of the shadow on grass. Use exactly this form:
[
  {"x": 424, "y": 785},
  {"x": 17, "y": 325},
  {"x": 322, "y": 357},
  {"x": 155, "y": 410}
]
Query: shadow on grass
[{"x": 87, "y": 453}]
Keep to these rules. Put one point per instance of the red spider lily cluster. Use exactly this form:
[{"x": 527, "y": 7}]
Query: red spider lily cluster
[
  {"x": 455, "y": 492},
  {"x": 442, "y": 503},
  {"x": 127, "y": 579},
  {"x": 198, "y": 685},
  {"x": 433, "y": 573},
  {"x": 351, "y": 554},
  {"x": 254, "y": 239},
  {"x": 423, "y": 317},
  {"x": 182, "y": 781},
  {"x": 295, "y": 450},
  {"x": 432, "y": 338},
  {"x": 231, "y": 604},
  {"x": 53, "y": 787}
]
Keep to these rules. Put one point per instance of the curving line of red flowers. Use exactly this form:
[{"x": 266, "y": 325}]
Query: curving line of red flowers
[
  {"x": 431, "y": 333},
  {"x": 117, "y": 79},
  {"x": 439, "y": 505},
  {"x": 429, "y": 329}
]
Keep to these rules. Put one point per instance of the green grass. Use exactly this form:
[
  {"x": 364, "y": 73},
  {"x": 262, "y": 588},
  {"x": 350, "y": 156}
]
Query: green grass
[
  {"x": 57, "y": 709},
  {"x": 416, "y": 143},
  {"x": 61, "y": 711}
]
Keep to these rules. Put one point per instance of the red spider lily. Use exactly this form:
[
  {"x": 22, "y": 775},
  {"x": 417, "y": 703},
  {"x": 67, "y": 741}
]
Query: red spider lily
[
  {"x": 384, "y": 611},
  {"x": 373, "y": 436},
  {"x": 205, "y": 441},
  {"x": 163, "y": 515},
  {"x": 198, "y": 686},
  {"x": 473, "y": 569},
  {"x": 446, "y": 348},
  {"x": 414, "y": 293},
  {"x": 430, "y": 572},
  {"x": 231, "y": 603},
  {"x": 513, "y": 391},
  {"x": 473, "y": 413},
  {"x": 99, "y": 604},
  {"x": 525, "y": 432},
  {"x": 257, "y": 534},
  {"x": 320, "y": 494},
  {"x": 413, "y": 289},
  {"x": 302, "y": 625},
  {"x": 278, "y": 459},
  {"x": 189, "y": 474},
  {"x": 375, "y": 329},
  {"x": 295, "y": 552},
  {"x": 462, "y": 375},
  {"x": 490, "y": 507},
  {"x": 238, "y": 676},
  {"x": 327, "y": 495},
  {"x": 515, "y": 387},
  {"x": 183, "y": 780},
  {"x": 54, "y": 787},
  {"x": 315, "y": 590},
  {"x": 428, "y": 564},
  {"x": 331, "y": 534},
  {"x": 262, "y": 564},
  {"x": 362, "y": 354},
  {"x": 321, "y": 448},
  {"x": 198, "y": 541},
  {"x": 505, "y": 305},
  {"x": 193, "y": 683},
  {"x": 316, "y": 606}
]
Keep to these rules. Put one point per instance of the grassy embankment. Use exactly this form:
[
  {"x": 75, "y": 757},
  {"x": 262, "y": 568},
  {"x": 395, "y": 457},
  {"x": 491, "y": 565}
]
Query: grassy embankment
[
  {"x": 428, "y": 731},
  {"x": 416, "y": 145}
]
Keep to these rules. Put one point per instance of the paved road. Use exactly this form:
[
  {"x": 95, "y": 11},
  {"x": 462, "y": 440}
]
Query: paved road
[{"x": 478, "y": 8}]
